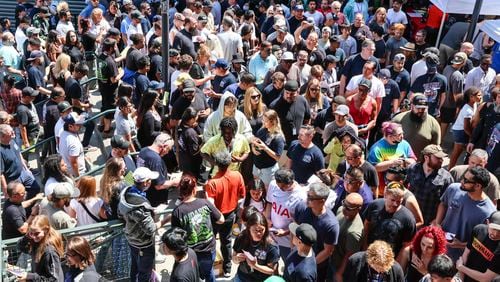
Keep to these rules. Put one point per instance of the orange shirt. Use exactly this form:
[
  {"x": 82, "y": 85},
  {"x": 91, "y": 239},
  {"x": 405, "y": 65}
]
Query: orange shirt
[{"x": 226, "y": 188}]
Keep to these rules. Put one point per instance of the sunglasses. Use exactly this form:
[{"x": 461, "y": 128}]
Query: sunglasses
[
  {"x": 347, "y": 206},
  {"x": 309, "y": 198},
  {"x": 255, "y": 97},
  {"x": 465, "y": 180}
]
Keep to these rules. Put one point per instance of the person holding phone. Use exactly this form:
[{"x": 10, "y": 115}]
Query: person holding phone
[{"x": 254, "y": 251}]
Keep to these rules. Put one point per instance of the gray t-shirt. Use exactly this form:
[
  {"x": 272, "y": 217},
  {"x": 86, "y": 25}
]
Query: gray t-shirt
[
  {"x": 70, "y": 145},
  {"x": 124, "y": 125},
  {"x": 456, "y": 82},
  {"x": 493, "y": 188}
]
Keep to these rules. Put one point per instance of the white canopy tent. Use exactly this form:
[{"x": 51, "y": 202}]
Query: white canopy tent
[
  {"x": 489, "y": 7},
  {"x": 492, "y": 28}
]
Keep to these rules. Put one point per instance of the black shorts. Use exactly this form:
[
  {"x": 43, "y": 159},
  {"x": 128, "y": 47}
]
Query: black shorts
[{"x": 448, "y": 115}]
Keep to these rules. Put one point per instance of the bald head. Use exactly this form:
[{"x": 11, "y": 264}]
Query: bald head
[
  {"x": 467, "y": 48},
  {"x": 354, "y": 200}
]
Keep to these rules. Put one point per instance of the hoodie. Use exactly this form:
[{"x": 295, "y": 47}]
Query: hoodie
[
  {"x": 212, "y": 125},
  {"x": 138, "y": 214}
]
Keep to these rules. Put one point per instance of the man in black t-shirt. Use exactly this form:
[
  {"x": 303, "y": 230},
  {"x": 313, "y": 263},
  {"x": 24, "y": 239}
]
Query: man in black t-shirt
[
  {"x": 108, "y": 78},
  {"x": 186, "y": 264},
  {"x": 293, "y": 111},
  {"x": 300, "y": 265},
  {"x": 387, "y": 209},
  {"x": 481, "y": 258},
  {"x": 141, "y": 80},
  {"x": 51, "y": 115},
  {"x": 223, "y": 78},
  {"x": 191, "y": 97}
]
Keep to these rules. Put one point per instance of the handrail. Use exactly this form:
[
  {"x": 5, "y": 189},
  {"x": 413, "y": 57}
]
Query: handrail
[{"x": 83, "y": 83}]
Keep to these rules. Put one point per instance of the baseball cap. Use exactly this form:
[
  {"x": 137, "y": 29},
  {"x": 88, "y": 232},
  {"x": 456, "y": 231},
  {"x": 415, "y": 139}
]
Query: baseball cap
[
  {"x": 127, "y": 2},
  {"x": 291, "y": 85},
  {"x": 202, "y": 19},
  {"x": 34, "y": 55},
  {"x": 155, "y": 85},
  {"x": 384, "y": 73},
  {"x": 419, "y": 101},
  {"x": 459, "y": 58},
  {"x": 432, "y": 59},
  {"x": 117, "y": 141},
  {"x": 366, "y": 83},
  {"x": 331, "y": 59},
  {"x": 207, "y": 3},
  {"x": 430, "y": 50},
  {"x": 64, "y": 106},
  {"x": 179, "y": 16},
  {"x": 221, "y": 63},
  {"x": 298, "y": 7},
  {"x": 305, "y": 232},
  {"x": 44, "y": 10},
  {"x": 310, "y": 20},
  {"x": 113, "y": 31},
  {"x": 339, "y": 100},
  {"x": 334, "y": 38},
  {"x": 342, "y": 110},
  {"x": 494, "y": 220},
  {"x": 173, "y": 52},
  {"x": 28, "y": 91},
  {"x": 32, "y": 30},
  {"x": 287, "y": 56},
  {"x": 326, "y": 29},
  {"x": 74, "y": 118},
  {"x": 435, "y": 150},
  {"x": 282, "y": 28},
  {"x": 237, "y": 59},
  {"x": 136, "y": 15},
  {"x": 142, "y": 174},
  {"x": 180, "y": 79},
  {"x": 399, "y": 57},
  {"x": 188, "y": 86},
  {"x": 65, "y": 190}
]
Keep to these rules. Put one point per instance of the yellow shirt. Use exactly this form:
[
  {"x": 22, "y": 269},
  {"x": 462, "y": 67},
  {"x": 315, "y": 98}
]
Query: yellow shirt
[{"x": 239, "y": 147}]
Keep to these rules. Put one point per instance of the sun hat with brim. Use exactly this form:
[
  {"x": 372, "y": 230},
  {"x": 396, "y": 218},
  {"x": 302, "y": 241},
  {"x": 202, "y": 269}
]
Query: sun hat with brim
[
  {"x": 143, "y": 174},
  {"x": 459, "y": 58},
  {"x": 408, "y": 47}
]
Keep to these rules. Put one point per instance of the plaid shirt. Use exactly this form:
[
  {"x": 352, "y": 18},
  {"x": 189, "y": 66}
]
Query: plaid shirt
[
  {"x": 11, "y": 99},
  {"x": 428, "y": 189}
]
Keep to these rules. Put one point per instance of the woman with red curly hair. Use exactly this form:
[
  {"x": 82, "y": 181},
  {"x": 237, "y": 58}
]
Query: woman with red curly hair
[{"x": 429, "y": 241}]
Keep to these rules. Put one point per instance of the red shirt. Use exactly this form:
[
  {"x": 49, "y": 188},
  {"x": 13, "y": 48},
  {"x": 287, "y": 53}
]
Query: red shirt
[
  {"x": 226, "y": 188},
  {"x": 362, "y": 115}
]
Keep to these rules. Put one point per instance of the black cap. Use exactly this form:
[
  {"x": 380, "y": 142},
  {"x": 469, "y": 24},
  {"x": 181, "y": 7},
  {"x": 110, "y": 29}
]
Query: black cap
[
  {"x": 136, "y": 15},
  {"x": 202, "y": 18},
  {"x": 173, "y": 52},
  {"x": 334, "y": 38},
  {"x": 44, "y": 10},
  {"x": 384, "y": 73},
  {"x": 419, "y": 101},
  {"x": 291, "y": 85},
  {"x": 237, "y": 59},
  {"x": 28, "y": 91},
  {"x": 304, "y": 232},
  {"x": 64, "y": 106},
  {"x": 114, "y": 31},
  {"x": 432, "y": 59},
  {"x": 119, "y": 142}
]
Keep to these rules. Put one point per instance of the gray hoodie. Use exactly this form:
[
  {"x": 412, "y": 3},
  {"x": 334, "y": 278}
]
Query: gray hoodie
[{"x": 138, "y": 214}]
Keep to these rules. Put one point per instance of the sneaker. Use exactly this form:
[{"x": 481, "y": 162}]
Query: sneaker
[{"x": 227, "y": 274}]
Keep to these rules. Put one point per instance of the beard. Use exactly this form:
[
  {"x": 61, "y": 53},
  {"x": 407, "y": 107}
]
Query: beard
[{"x": 417, "y": 118}]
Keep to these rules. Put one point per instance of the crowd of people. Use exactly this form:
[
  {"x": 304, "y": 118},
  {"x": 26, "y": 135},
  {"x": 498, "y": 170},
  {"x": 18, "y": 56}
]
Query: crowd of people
[{"x": 307, "y": 136}]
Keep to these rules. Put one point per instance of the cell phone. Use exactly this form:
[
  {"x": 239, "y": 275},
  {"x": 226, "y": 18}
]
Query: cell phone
[
  {"x": 449, "y": 236},
  {"x": 15, "y": 270}
]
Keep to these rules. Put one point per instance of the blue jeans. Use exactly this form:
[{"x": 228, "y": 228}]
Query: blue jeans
[
  {"x": 143, "y": 262},
  {"x": 205, "y": 265}
]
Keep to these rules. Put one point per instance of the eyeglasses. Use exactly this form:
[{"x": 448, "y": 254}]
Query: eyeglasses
[
  {"x": 347, "y": 206},
  {"x": 255, "y": 97},
  {"x": 465, "y": 180}
]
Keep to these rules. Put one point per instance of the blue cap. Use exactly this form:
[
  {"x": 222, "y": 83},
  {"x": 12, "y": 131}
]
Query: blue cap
[
  {"x": 221, "y": 63},
  {"x": 155, "y": 85}
]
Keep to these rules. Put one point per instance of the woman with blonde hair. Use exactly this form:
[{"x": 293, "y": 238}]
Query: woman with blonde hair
[
  {"x": 45, "y": 245},
  {"x": 253, "y": 108},
  {"x": 213, "y": 43},
  {"x": 375, "y": 264},
  {"x": 380, "y": 19},
  {"x": 267, "y": 147},
  {"x": 316, "y": 100},
  {"x": 88, "y": 206},
  {"x": 111, "y": 184},
  {"x": 199, "y": 70},
  {"x": 80, "y": 259},
  {"x": 60, "y": 71}
]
